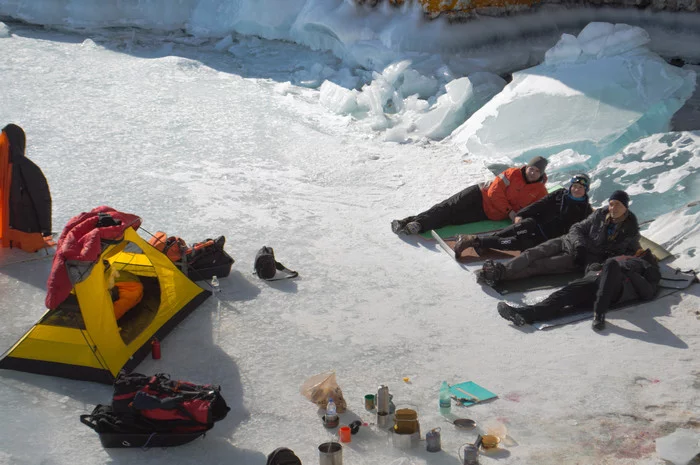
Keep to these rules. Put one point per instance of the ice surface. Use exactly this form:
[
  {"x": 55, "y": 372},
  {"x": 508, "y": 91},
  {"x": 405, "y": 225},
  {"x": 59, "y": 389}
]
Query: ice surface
[
  {"x": 4, "y": 30},
  {"x": 462, "y": 98},
  {"x": 202, "y": 142},
  {"x": 679, "y": 447},
  {"x": 338, "y": 99}
]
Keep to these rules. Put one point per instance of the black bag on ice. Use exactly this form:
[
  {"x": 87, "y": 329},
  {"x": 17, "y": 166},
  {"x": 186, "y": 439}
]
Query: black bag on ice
[{"x": 266, "y": 267}]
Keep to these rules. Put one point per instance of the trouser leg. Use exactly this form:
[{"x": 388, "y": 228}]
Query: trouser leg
[
  {"x": 610, "y": 287},
  {"x": 569, "y": 299},
  {"x": 463, "y": 207},
  {"x": 546, "y": 258},
  {"x": 521, "y": 236}
]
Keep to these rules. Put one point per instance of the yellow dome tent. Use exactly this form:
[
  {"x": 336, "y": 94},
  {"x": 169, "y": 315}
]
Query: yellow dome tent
[{"x": 81, "y": 337}]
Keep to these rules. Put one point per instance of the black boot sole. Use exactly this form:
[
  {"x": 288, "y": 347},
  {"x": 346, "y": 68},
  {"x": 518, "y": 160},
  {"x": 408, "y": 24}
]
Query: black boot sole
[{"x": 510, "y": 314}]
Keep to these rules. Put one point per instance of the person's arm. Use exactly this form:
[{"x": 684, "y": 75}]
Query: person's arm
[
  {"x": 579, "y": 231},
  {"x": 38, "y": 190},
  {"x": 496, "y": 193},
  {"x": 544, "y": 206}
]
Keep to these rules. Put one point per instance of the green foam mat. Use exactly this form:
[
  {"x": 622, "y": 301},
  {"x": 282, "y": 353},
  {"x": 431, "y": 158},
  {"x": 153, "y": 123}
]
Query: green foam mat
[
  {"x": 477, "y": 227},
  {"x": 469, "y": 228}
]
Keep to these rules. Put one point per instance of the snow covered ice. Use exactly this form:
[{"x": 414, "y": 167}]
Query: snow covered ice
[{"x": 308, "y": 126}]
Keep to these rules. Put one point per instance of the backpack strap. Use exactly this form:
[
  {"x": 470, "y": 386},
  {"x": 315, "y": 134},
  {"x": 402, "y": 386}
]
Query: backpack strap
[{"x": 288, "y": 274}]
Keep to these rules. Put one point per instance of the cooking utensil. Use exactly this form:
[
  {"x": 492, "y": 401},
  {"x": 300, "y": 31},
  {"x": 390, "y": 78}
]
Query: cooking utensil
[{"x": 465, "y": 423}]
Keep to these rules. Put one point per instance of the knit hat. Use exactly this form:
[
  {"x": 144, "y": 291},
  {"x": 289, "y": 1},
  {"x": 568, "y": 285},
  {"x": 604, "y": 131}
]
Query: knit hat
[
  {"x": 582, "y": 179},
  {"x": 539, "y": 162},
  {"x": 622, "y": 197}
]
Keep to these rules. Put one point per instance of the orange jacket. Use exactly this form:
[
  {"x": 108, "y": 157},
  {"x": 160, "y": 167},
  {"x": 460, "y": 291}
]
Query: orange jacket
[{"x": 510, "y": 192}]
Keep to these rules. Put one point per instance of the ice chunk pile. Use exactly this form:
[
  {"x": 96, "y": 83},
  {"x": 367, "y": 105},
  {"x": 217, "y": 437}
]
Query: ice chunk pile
[
  {"x": 605, "y": 83},
  {"x": 402, "y": 101}
]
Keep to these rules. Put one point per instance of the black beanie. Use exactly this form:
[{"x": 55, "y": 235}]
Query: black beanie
[
  {"x": 622, "y": 197},
  {"x": 539, "y": 162}
]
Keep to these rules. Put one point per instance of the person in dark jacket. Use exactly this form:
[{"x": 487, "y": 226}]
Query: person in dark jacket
[
  {"x": 608, "y": 232},
  {"x": 618, "y": 280},
  {"x": 549, "y": 217},
  {"x": 25, "y": 203},
  {"x": 502, "y": 198}
]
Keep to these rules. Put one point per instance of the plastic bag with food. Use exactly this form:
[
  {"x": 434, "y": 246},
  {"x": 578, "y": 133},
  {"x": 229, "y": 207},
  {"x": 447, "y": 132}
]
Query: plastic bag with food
[{"x": 321, "y": 387}]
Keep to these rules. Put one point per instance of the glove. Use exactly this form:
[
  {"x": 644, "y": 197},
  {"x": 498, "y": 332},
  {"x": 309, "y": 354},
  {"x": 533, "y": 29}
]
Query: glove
[
  {"x": 594, "y": 268},
  {"x": 580, "y": 256}
]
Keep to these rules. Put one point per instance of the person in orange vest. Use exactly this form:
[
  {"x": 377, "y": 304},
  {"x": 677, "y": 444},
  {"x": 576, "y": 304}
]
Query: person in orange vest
[
  {"x": 124, "y": 288},
  {"x": 511, "y": 191}
]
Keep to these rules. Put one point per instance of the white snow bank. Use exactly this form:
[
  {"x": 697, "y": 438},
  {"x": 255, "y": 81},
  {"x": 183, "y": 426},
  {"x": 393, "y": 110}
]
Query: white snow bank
[{"x": 635, "y": 94}]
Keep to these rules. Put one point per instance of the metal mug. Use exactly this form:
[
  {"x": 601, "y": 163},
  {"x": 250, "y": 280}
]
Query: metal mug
[
  {"x": 383, "y": 398},
  {"x": 369, "y": 402},
  {"x": 432, "y": 440},
  {"x": 330, "y": 453},
  {"x": 471, "y": 454}
]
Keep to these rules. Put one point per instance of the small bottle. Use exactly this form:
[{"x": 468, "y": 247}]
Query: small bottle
[
  {"x": 445, "y": 402},
  {"x": 155, "y": 348},
  {"x": 215, "y": 284},
  {"x": 331, "y": 419}
]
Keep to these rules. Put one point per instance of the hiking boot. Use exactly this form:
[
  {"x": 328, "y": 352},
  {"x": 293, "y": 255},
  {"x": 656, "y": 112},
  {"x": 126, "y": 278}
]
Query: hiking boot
[
  {"x": 464, "y": 241},
  {"x": 413, "y": 227},
  {"x": 492, "y": 272},
  {"x": 511, "y": 314},
  {"x": 283, "y": 456},
  {"x": 598, "y": 322},
  {"x": 397, "y": 227}
]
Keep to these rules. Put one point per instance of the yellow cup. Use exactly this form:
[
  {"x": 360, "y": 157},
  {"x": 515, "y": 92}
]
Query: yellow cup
[{"x": 490, "y": 441}]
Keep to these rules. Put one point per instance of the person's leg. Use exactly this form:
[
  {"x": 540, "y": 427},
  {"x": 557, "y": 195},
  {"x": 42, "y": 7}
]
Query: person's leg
[
  {"x": 546, "y": 258},
  {"x": 579, "y": 293},
  {"x": 569, "y": 299},
  {"x": 463, "y": 207},
  {"x": 521, "y": 236},
  {"x": 608, "y": 291}
]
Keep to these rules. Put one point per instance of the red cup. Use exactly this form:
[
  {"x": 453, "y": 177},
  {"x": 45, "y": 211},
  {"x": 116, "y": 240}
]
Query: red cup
[{"x": 345, "y": 434}]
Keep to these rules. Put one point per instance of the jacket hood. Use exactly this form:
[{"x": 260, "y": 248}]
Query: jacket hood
[{"x": 18, "y": 142}]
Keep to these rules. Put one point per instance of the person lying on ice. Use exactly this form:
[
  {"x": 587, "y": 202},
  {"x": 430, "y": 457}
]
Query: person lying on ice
[
  {"x": 502, "y": 198},
  {"x": 607, "y": 232},
  {"x": 618, "y": 280},
  {"x": 549, "y": 217}
]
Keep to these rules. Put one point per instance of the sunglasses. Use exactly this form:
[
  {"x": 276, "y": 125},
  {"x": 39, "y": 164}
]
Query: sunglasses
[{"x": 579, "y": 180}]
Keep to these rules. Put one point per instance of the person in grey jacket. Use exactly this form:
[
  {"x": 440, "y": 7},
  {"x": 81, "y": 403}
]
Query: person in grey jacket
[
  {"x": 618, "y": 280},
  {"x": 607, "y": 232}
]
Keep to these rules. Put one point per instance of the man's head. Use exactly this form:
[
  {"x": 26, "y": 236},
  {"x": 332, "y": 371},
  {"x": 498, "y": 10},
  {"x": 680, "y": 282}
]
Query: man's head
[
  {"x": 618, "y": 203},
  {"x": 580, "y": 183},
  {"x": 535, "y": 169}
]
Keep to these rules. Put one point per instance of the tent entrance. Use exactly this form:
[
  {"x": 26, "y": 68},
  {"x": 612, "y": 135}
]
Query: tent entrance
[{"x": 138, "y": 318}]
